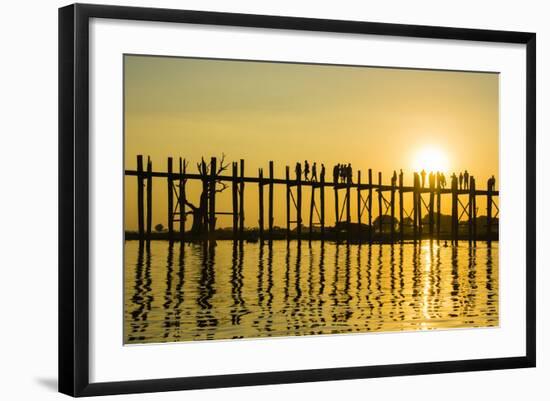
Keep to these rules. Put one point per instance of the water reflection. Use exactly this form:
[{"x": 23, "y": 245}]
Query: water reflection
[{"x": 235, "y": 290}]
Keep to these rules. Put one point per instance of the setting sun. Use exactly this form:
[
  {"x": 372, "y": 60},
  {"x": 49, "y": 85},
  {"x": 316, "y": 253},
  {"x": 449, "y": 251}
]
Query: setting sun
[{"x": 430, "y": 159}]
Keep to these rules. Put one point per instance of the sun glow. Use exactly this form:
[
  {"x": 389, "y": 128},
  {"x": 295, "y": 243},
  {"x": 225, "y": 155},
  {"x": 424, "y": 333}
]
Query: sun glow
[{"x": 431, "y": 159}]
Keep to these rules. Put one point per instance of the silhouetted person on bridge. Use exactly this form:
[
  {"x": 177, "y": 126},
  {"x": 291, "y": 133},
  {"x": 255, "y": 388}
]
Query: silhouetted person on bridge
[
  {"x": 431, "y": 180},
  {"x": 453, "y": 178},
  {"x": 336, "y": 174},
  {"x": 394, "y": 179},
  {"x": 466, "y": 179},
  {"x": 298, "y": 171},
  {"x": 460, "y": 178},
  {"x": 423, "y": 177},
  {"x": 322, "y": 175},
  {"x": 306, "y": 170},
  {"x": 443, "y": 181},
  {"x": 492, "y": 183},
  {"x": 314, "y": 172},
  {"x": 349, "y": 174},
  {"x": 343, "y": 173}
]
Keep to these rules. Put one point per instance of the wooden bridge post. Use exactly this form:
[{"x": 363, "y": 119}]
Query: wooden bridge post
[
  {"x": 359, "y": 208},
  {"x": 401, "y": 212},
  {"x": 235, "y": 200},
  {"x": 380, "y": 209},
  {"x": 311, "y": 207},
  {"x": 431, "y": 206},
  {"x": 241, "y": 202},
  {"x": 212, "y": 198},
  {"x": 299, "y": 204},
  {"x": 261, "y": 205},
  {"x": 471, "y": 197},
  {"x": 141, "y": 225},
  {"x": 336, "y": 206},
  {"x": 419, "y": 207},
  {"x": 287, "y": 178},
  {"x": 270, "y": 204},
  {"x": 454, "y": 205},
  {"x": 438, "y": 208},
  {"x": 149, "y": 197},
  {"x": 348, "y": 208},
  {"x": 370, "y": 206},
  {"x": 322, "y": 211},
  {"x": 416, "y": 184},
  {"x": 489, "y": 210},
  {"x": 182, "y": 199},
  {"x": 474, "y": 208},
  {"x": 170, "y": 201},
  {"x": 392, "y": 210}
]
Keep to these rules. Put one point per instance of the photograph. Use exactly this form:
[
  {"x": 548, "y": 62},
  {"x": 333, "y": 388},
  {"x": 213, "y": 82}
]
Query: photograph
[{"x": 280, "y": 199}]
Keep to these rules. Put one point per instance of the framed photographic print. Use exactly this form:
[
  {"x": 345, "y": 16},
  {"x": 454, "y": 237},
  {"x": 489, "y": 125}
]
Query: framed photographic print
[{"x": 249, "y": 199}]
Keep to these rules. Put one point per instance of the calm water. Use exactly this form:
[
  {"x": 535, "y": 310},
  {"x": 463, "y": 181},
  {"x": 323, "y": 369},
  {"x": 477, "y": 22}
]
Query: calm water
[{"x": 196, "y": 292}]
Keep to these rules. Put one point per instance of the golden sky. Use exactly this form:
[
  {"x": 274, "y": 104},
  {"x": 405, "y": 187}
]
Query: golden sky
[{"x": 381, "y": 118}]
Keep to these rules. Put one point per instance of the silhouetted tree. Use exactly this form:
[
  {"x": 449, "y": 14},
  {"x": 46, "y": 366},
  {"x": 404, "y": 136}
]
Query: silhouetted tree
[
  {"x": 387, "y": 222},
  {"x": 200, "y": 212}
]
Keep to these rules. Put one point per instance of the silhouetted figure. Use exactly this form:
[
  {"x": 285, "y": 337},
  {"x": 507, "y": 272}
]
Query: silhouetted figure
[
  {"x": 394, "y": 179},
  {"x": 306, "y": 170},
  {"x": 460, "y": 178},
  {"x": 423, "y": 177},
  {"x": 314, "y": 172},
  {"x": 431, "y": 179},
  {"x": 443, "y": 180},
  {"x": 349, "y": 173},
  {"x": 322, "y": 174},
  {"x": 492, "y": 183},
  {"x": 466, "y": 179},
  {"x": 343, "y": 170},
  {"x": 453, "y": 178},
  {"x": 336, "y": 173},
  {"x": 298, "y": 171}
]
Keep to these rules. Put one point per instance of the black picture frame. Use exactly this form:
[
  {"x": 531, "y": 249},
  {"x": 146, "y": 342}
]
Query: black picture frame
[{"x": 74, "y": 198}]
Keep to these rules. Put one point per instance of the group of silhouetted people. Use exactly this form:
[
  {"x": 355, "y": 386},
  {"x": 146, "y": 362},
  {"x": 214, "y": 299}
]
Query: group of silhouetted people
[
  {"x": 342, "y": 173},
  {"x": 434, "y": 179},
  {"x": 307, "y": 171}
]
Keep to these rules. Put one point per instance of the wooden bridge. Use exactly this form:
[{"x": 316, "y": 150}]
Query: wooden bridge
[{"x": 426, "y": 199}]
